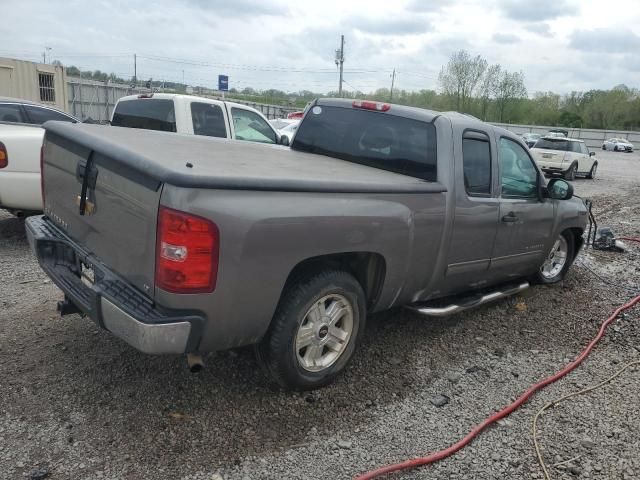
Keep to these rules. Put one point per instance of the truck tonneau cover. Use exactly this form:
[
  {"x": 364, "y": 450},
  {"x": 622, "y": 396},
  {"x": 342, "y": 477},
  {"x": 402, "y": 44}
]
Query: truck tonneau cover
[{"x": 229, "y": 164}]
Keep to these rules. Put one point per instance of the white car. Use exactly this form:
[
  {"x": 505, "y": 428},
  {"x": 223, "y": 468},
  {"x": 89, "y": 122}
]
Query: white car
[
  {"x": 286, "y": 128},
  {"x": 20, "y": 144},
  {"x": 618, "y": 145},
  {"x": 568, "y": 157},
  {"x": 288, "y": 132},
  {"x": 280, "y": 123}
]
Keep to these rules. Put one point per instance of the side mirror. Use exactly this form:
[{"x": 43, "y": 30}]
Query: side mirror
[
  {"x": 592, "y": 154},
  {"x": 284, "y": 140},
  {"x": 559, "y": 189}
]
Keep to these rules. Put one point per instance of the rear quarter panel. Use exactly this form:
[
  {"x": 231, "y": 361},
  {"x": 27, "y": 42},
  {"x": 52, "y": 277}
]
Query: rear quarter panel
[{"x": 264, "y": 235}]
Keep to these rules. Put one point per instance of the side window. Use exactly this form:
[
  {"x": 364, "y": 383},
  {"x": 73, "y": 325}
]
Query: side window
[
  {"x": 251, "y": 126},
  {"x": 576, "y": 147},
  {"x": 518, "y": 175},
  {"x": 40, "y": 115},
  {"x": 208, "y": 120},
  {"x": 11, "y": 113},
  {"x": 476, "y": 162}
]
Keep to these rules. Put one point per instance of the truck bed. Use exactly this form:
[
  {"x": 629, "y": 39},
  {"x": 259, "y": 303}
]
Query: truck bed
[{"x": 226, "y": 164}]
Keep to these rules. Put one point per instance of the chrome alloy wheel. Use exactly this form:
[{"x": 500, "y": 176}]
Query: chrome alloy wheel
[
  {"x": 324, "y": 332},
  {"x": 556, "y": 259}
]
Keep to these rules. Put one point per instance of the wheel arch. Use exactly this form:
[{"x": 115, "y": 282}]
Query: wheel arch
[
  {"x": 368, "y": 268},
  {"x": 578, "y": 240}
]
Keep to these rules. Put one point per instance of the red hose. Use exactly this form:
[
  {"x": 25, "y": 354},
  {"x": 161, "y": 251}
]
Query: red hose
[
  {"x": 630, "y": 239},
  {"x": 434, "y": 457}
]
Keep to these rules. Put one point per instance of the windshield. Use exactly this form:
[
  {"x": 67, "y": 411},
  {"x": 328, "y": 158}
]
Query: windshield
[
  {"x": 146, "y": 113},
  {"x": 379, "y": 140}
]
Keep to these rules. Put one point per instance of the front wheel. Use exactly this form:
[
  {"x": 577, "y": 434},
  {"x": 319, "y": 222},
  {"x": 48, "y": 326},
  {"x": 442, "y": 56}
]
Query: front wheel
[
  {"x": 558, "y": 260},
  {"x": 592, "y": 172},
  {"x": 314, "y": 331}
]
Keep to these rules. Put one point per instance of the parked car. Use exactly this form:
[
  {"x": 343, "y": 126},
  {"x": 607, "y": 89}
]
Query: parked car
[
  {"x": 618, "y": 145},
  {"x": 20, "y": 144},
  {"x": 568, "y": 157},
  {"x": 558, "y": 132},
  {"x": 192, "y": 115},
  {"x": 280, "y": 123},
  {"x": 530, "y": 138},
  {"x": 183, "y": 244},
  {"x": 287, "y": 133},
  {"x": 15, "y": 110}
]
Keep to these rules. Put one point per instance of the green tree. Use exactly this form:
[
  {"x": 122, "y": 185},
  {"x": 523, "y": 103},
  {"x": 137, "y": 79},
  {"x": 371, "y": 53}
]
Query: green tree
[
  {"x": 508, "y": 90},
  {"x": 460, "y": 77}
]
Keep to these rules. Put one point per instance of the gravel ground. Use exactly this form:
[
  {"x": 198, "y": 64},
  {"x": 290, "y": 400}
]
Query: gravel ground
[{"x": 76, "y": 403}]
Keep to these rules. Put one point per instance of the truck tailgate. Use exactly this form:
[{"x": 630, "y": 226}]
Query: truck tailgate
[{"x": 118, "y": 221}]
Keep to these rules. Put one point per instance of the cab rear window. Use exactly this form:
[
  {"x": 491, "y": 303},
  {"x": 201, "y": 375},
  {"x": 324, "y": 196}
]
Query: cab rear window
[
  {"x": 380, "y": 140},
  {"x": 146, "y": 113}
]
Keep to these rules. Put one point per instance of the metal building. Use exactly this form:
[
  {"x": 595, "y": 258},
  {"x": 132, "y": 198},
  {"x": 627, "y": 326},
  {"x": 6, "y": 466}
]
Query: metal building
[{"x": 38, "y": 82}]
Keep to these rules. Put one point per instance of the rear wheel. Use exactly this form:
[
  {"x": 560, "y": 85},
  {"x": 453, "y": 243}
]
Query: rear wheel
[
  {"x": 592, "y": 172},
  {"x": 314, "y": 331},
  {"x": 604, "y": 147},
  {"x": 558, "y": 260},
  {"x": 571, "y": 173}
]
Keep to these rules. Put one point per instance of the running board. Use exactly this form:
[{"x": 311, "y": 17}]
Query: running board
[{"x": 456, "y": 308}]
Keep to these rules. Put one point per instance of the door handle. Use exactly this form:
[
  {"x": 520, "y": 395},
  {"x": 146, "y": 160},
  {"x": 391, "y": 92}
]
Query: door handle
[{"x": 510, "y": 218}]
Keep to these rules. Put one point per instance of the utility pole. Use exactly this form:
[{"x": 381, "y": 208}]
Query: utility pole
[
  {"x": 340, "y": 62},
  {"x": 393, "y": 79},
  {"x": 135, "y": 70}
]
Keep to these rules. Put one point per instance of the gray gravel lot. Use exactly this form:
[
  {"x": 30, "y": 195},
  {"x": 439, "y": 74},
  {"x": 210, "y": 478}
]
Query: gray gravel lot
[{"x": 81, "y": 404}]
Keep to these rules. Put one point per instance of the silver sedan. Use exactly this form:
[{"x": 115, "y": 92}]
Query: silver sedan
[{"x": 618, "y": 145}]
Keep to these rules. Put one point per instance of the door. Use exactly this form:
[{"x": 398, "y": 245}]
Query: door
[
  {"x": 585, "y": 162},
  {"x": 476, "y": 211},
  {"x": 526, "y": 221}
]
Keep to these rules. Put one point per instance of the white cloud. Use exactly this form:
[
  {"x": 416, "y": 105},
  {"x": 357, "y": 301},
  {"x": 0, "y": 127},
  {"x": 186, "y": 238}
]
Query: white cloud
[{"x": 291, "y": 45}]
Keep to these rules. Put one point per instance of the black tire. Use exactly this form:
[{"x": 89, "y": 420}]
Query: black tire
[
  {"x": 277, "y": 350},
  {"x": 571, "y": 173},
  {"x": 545, "y": 280},
  {"x": 603, "y": 147},
  {"x": 592, "y": 172}
]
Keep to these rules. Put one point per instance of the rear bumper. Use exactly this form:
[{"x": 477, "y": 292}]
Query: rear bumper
[
  {"x": 552, "y": 168},
  {"x": 107, "y": 299}
]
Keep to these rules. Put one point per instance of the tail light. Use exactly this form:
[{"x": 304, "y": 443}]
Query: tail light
[
  {"x": 379, "y": 107},
  {"x": 186, "y": 252},
  {"x": 42, "y": 173},
  {"x": 4, "y": 156}
]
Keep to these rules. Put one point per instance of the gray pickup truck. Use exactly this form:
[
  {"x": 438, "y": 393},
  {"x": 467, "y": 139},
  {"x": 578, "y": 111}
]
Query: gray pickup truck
[{"x": 181, "y": 244}]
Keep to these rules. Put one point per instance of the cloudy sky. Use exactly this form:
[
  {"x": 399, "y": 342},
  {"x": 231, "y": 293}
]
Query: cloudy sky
[{"x": 560, "y": 45}]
